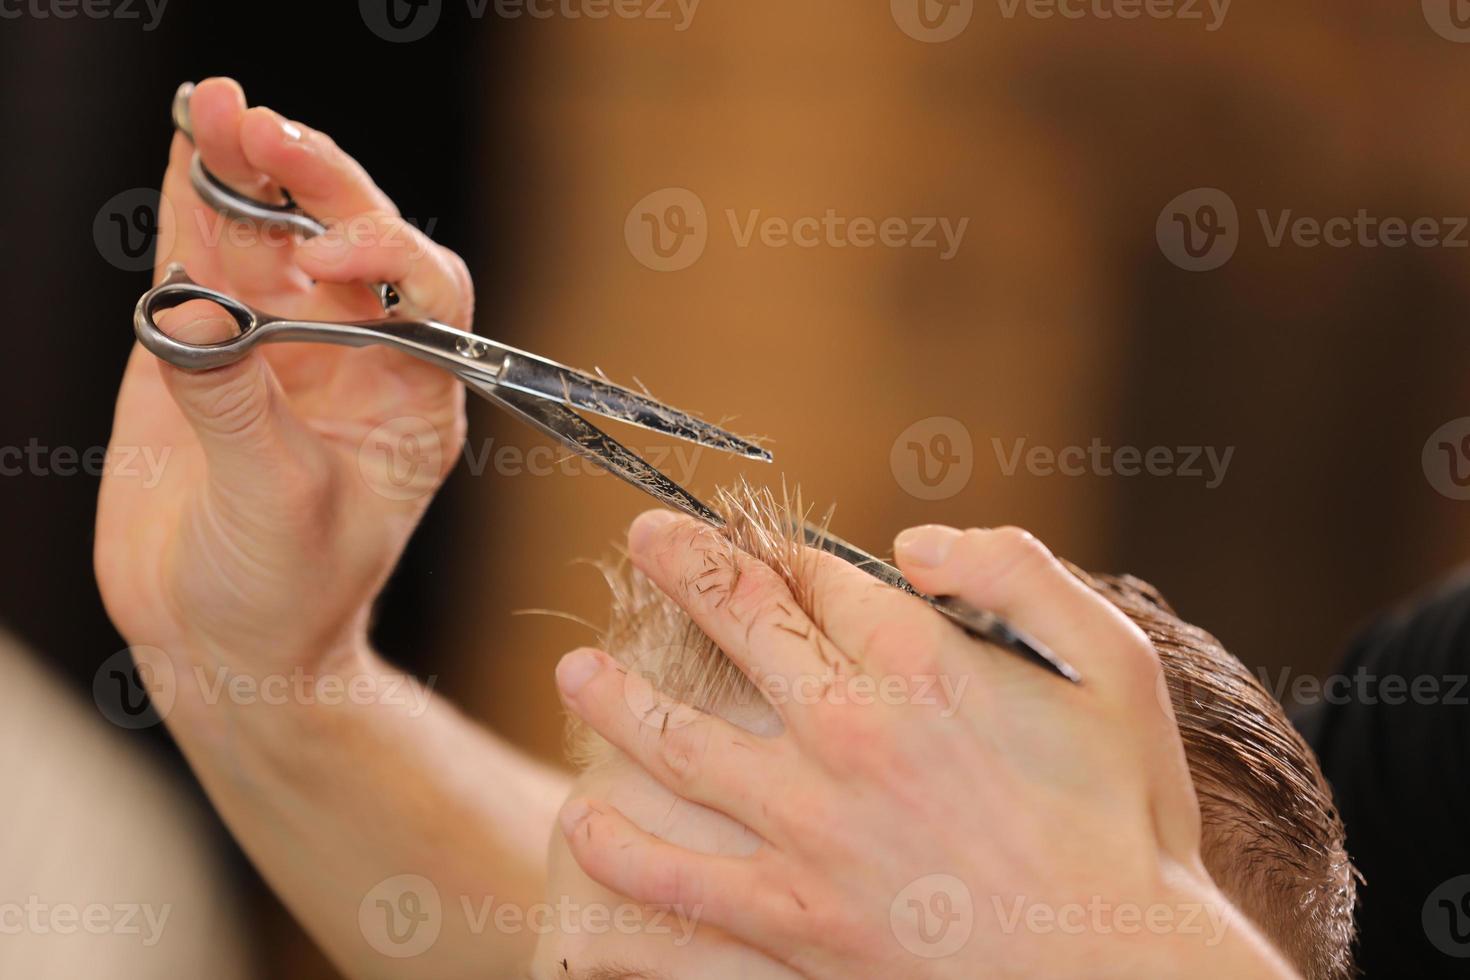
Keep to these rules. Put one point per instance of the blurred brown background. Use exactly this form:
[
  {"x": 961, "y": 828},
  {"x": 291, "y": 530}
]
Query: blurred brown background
[{"x": 1060, "y": 319}]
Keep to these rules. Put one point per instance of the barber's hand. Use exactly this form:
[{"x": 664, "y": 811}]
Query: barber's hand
[
  {"x": 291, "y": 480},
  {"x": 963, "y": 828}
]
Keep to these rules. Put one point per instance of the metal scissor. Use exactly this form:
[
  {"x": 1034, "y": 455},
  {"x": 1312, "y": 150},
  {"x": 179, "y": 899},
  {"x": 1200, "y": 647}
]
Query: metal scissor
[{"x": 539, "y": 391}]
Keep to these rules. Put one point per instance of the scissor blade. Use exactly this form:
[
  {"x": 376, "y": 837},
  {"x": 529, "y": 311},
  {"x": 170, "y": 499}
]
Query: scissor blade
[
  {"x": 976, "y": 622},
  {"x": 547, "y": 379},
  {"x": 582, "y": 437}
]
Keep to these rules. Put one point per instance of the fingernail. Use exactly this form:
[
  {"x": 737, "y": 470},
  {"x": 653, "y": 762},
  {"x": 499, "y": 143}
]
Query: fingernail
[
  {"x": 575, "y": 670},
  {"x": 573, "y": 814},
  {"x": 928, "y": 546},
  {"x": 647, "y": 523},
  {"x": 290, "y": 130}
]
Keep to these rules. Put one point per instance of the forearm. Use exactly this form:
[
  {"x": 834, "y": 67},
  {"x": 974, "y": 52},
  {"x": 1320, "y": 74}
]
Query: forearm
[{"x": 335, "y": 791}]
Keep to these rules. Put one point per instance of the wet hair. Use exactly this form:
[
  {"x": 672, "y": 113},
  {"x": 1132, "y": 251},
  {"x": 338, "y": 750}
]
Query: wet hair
[{"x": 1272, "y": 838}]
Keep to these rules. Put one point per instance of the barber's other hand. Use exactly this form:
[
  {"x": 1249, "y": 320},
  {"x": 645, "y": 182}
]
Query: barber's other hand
[
  {"x": 284, "y": 487},
  {"x": 918, "y": 825}
]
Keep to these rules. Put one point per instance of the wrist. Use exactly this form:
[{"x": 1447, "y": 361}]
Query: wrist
[{"x": 248, "y": 702}]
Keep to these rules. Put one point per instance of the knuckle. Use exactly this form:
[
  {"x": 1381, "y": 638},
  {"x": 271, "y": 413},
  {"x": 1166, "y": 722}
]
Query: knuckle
[
  {"x": 909, "y": 644},
  {"x": 854, "y": 742},
  {"x": 680, "y": 756},
  {"x": 1014, "y": 545},
  {"x": 988, "y": 558},
  {"x": 328, "y": 150},
  {"x": 1138, "y": 657}
]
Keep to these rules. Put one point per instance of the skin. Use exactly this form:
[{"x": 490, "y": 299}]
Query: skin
[
  {"x": 1083, "y": 791},
  {"x": 655, "y": 944},
  {"x": 258, "y": 556}
]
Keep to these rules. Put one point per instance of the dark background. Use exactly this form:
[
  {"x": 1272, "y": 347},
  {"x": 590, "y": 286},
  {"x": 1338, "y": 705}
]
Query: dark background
[{"x": 1060, "y": 321}]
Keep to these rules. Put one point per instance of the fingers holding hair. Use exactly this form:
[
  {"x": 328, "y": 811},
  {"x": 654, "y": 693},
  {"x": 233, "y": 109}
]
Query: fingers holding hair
[{"x": 1010, "y": 573}]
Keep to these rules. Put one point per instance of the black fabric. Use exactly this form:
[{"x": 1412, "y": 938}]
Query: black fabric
[{"x": 1396, "y": 756}]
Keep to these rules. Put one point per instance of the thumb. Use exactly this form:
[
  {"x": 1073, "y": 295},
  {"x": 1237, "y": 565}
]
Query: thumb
[{"x": 239, "y": 413}]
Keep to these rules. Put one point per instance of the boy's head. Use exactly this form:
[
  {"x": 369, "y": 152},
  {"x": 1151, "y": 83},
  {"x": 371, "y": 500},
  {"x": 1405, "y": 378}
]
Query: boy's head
[{"x": 1272, "y": 839}]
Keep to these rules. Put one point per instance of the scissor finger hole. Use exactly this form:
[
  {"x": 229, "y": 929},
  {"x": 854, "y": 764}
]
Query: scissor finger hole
[
  {"x": 189, "y": 318},
  {"x": 200, "y": 322}
]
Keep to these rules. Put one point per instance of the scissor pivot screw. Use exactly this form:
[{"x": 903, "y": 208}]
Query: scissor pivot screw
[{"x": 472, "y": 348}]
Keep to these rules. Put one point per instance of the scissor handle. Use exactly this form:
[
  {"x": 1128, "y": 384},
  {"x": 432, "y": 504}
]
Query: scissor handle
[
  {"x": 175, "y": 290},
  {"x": 471, "y": 357},
  {"x": 230, "y": 203},
  {"x": 233, "y": 204}
]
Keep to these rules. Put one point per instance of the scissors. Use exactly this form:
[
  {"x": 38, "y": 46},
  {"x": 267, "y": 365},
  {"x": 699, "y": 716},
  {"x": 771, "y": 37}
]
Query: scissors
[{"x": 535, "y": 389}]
